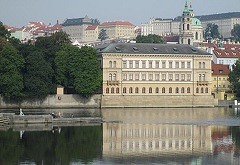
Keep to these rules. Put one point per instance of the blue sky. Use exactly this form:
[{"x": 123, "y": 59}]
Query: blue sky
[{"x": 19, "y": 12}]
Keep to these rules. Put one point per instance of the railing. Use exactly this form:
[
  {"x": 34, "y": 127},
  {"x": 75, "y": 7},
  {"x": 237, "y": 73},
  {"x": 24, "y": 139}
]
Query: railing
[
  {"x": 112, "y": 82},
  {"x": 202, "y": 82}
]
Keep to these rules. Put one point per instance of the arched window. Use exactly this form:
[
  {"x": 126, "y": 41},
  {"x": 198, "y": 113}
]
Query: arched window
[
  {"x": 203, "y": 65},
  {"x": 199, "y": 77},
  {"x": 107, "y": 90},
  {"x": 197, "y": 90},
  {"x": 112, "y": 90},
  {"x": 182, "y": 40},
  {"x": 143, "y": 90},
  {"x": 206, "y": 90},
  {"x": 202, "y": 90},
  {"x": 177, "y": 90},
  {"x": 188, "y": 27},
  {"x": 110, "y": 64},
  {"x": 163, "y": 90},
  {"x": 189, "y": 41},
  {"x": 136, "y": 90},
  {"x": 188, "y": 90},
  {"x": 199, "y": 65},
  {"x": 182, "y": 90},
  {"x": 203, "y": 77},
  {"x": 114, "y": 77},
  {"x": 150, "y": 90},
  {"x": 130, "y": 90},
  {"x": 124, "y": 90},
  {"x": 196, "y": 36},
  {"x": 183, "y": 27},
  {"x": 110, "y": 77},
  {"x": 170, "y": 90},
  {"x": 117, "y": 90},
  {"x": 114, "y": 64},
  {"x": 157, "y": 90}
]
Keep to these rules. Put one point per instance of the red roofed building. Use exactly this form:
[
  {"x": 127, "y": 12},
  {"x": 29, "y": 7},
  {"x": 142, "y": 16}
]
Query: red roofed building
[
  {"x": 119, "y": 29},
  {"x": 220, "y": 83}
]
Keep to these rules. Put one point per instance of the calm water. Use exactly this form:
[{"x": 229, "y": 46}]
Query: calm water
[{"x": 199, "y": 136}]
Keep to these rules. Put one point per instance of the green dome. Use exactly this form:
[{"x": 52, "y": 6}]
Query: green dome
[{"x": 196, "y": 22}]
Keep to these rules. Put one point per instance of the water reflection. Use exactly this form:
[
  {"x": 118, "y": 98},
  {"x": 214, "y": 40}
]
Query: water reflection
[
  {"x": 185, "y": 136},
  {"x": 198, "y": 136}
]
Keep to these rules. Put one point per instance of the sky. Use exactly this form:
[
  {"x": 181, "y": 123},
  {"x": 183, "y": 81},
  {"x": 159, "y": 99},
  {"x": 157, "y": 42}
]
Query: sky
[{"x": 19, "y": 12}]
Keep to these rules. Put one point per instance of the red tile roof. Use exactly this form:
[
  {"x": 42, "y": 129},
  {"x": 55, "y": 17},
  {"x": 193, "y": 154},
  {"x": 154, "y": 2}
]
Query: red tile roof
[
  {"x": 220, "y": 69},
  {"x": 93, "y": 27},
  {"x": 115, "y": 23}
]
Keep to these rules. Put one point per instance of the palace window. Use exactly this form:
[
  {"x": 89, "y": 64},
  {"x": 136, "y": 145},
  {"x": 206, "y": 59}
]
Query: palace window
[
  {"x": 188, "y": 90},
  {"x": 157, "y": 64},
  {"x": 200, "y": 65},
  {"x": 157, "y": 90},
  {"x": 170, "y": 77},
  {"x": 163, "y": 90},
  {"x": 114, "y": 64},
  {"x": 136, "y": 64},
  {"x": 177, "y": 90},
  {"x": 182, "y": 90},
  {"x": 130, "y": 90},
  {"x": 112, "y": 90},
  {"x": 203, "y": 65},
  {"x": 131, "y": 76},
  {"x": 114, "y": 77},
  {"x": 150, "y": 90},
  {"x": 197, "y": 90},
  {"x": 150, "y": 77},
  {"x": 124, "y": 90},
  {"x": 107, "y": 90},
  {"x": 177, "y": 64},
  {"x": 188, "y": 64},
  {"x": 206, "y": 90},
  {"x": 124, "y": 64},
  {"x": 125, "y": 76},
  {"x": 163, "y": 77},
  {"x": 182, "y": 64},
  {"x": 177, "y": 77},
  {"x": 110, "y": 64},
  {"x": 143, "y": 90},
  {"x": 170, "y": 90},
  {"x": 110, "y": 77},
  {"x": 136, "y": 90},
  {"x": 143, "y": 64},
  {"x": 117, "y": 90},
  {"x": 182, "y": 77},
  {"x": 202, "y": 91},
  {"x": 170, "y": 64},
  {"x": 136, "y": 76},
  {"x": 143, "y": 77},
  {"x": 150, "y": 64},
  {"x": 157, "y": 77},
  {"x": 188, "y": 77},
  {"x": 130, "y": 64},
  {"x": 163, "y": 64}
]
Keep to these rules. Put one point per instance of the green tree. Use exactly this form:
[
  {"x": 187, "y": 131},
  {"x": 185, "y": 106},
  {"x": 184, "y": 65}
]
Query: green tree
[
  {"x": 236, "y": 32},
  {"x": 38, "y": 76},
  {"x": 11, "y": 66},
  {"x": 151, "y": 38},
  {"x": 4, "y": 32},
  {"x": 211, "y": 31},
  {"x": 79, "y": 68},
  {"x": 102, "y": 35},
  {"x": 234, "y": 77}
]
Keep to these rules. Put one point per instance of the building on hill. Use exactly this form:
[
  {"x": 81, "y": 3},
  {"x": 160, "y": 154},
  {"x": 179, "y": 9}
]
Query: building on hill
[
  {"x": 76, "y": 27},
  {"x": 118, "y": 30},
  {"x": 156, "y": 75},
  {"x": 191, "y": 30},
  {"x": 220, "y": 84}
]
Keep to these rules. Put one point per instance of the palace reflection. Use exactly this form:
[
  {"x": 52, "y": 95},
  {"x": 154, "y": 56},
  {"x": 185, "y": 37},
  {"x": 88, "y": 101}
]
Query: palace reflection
[{"x": 166, "y": 133}]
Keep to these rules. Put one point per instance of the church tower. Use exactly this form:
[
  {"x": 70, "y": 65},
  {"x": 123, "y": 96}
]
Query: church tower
[{"x": 186, "y": 34}]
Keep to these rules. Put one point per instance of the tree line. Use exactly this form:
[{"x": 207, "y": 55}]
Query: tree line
[{"x": 33, "y": 71}]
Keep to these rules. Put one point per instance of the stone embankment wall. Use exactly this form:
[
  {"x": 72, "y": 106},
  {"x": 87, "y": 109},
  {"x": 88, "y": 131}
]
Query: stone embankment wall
[
  {"x": 157, "y": 101},
  {"x": 58, "y": 101}
]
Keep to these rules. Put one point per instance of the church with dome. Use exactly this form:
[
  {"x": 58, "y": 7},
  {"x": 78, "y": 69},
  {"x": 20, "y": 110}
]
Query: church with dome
[{"x": 191, "y": 30}]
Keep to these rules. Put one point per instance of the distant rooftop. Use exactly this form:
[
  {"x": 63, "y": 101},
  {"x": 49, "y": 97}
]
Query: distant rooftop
[
  {"x": 80, "y": 21},
  {"x": 145, "y": 48}
]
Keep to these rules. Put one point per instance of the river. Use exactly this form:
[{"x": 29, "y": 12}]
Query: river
[{"x": 172, "y": 136}]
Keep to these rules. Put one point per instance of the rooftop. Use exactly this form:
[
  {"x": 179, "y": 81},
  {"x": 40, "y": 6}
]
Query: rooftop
[
  {"x": 114, "y": 23},
  {"x": 220, "y": 69},
  {"x": 147, "y": 48},
  {"x": 80, "y": 21}
]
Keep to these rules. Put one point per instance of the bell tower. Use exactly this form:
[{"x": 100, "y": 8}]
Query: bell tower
[{"x": 186, "y": 35}]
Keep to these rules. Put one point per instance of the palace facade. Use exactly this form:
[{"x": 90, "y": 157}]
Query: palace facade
[{"x": 156, "y": 75}]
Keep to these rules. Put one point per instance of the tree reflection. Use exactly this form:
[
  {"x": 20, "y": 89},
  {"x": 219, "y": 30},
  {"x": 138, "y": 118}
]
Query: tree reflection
[{"x": 70, "y": 145}]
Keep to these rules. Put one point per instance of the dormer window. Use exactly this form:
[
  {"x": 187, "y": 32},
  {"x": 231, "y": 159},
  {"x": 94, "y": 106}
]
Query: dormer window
[
  {"x": 117, "y": 49},
  {"x": 135, "y": 49},
  {"x": 175, "y": 50},
  {"x": 194, "y": 50},
  {"x": 220, "y": 71},
  {"x": 155, "y": 49}
]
